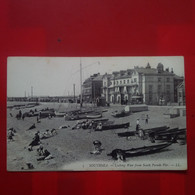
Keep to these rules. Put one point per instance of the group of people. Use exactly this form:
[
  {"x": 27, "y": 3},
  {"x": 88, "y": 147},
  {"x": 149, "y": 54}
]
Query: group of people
[
  {"x": 48, "y": 133},
  {"x": 11, "y": 133},
  {"x": 44, "y": 154},
  {"x": 85, "y": 125}
]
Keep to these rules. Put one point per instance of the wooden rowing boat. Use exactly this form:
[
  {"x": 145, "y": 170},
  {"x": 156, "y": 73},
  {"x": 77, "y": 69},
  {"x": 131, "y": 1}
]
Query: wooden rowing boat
[
  {"x": 112, "y": 126},
  {"x": 155, "y": 129},
  {"x": 123, "y": 154},
  {"x": 127, "y": 134},
  {"x": 145, "y": 131},
  {"x": 84, "y": 116},
  {"x": 60, "y": 114},
  {"x": 120, "y": 114},
  {"x": 167, "y": 135},
  {"x": 94, "y": 116}
]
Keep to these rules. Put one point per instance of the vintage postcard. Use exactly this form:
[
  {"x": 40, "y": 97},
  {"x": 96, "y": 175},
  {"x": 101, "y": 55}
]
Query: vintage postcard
[{"x": 96, "y": 113}]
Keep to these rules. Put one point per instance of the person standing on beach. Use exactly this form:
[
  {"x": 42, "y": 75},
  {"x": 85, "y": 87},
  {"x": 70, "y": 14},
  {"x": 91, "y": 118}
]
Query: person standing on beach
[
  {"x": 146, "y": 121},
  {"x": 137, "y": 125},
  {"x": 23, "y": 116}
]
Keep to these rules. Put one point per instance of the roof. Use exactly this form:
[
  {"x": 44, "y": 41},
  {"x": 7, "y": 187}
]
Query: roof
[
  {"x": 98, "y": 78},
  {"x": 107, "y": 75},
  {"x": 87, "y": 80},
  {"x": 151, "y": 71},
  {"x": 95, "y": 77},
  {"x": 178, "y": 77}
]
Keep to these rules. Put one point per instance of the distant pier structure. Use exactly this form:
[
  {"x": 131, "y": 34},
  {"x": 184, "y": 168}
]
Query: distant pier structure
[{"x": 60, "y": 99}]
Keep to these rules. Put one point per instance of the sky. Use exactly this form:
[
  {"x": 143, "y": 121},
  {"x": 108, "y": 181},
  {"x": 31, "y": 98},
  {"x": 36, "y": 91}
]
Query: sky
[{"x": 55, "y": 76}]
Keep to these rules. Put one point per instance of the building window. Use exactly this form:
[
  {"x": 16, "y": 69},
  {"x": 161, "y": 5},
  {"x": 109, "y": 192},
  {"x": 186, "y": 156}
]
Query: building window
[
  {"x": 150, "y": 88},
  {"x": 128, "y": 81},
  {"x": 159, "y": 89},
  {"x": 168, "y": 96},
  {"x": 117, "y": 82},
  {"x": 168, "y": 87},
  {"x": 120, "y": 82},
  {"x": 159, "y": 79},
  {"x": 124, "y": 81},
  {"x": 135, "y": 80},
  {"x": 168, "y": 79},
  {"x": 150, "y": 98},
  {"x": 104, "y": 83}
]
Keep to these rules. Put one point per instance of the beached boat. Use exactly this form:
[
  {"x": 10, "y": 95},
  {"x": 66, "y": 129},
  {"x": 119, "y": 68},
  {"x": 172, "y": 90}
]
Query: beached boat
[
  {"x": 102, "y": 127},
  {"x": 60, "y": 114},
  {"x": 171, "y": 133},
  {"x": 145, "y": 131},
  {"x": 120, "y": 114},
  {"x": 31, "y": 114},
  {"x": 181, "y": 139},
  {"x": 90, "y": 124},
  {"x": 123, "y": 154},
  {"x": 127, "y": 134},
  {"x": 100, "y": 120},
  {"x": 94, "y": 116},
  {"x": 47, "y": 113},
  {"x": 168, "y": 135},
  {"x": 155, "y": 129}
]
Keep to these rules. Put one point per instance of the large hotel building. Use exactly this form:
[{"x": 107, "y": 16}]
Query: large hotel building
[{"x": 141, "y": 85}]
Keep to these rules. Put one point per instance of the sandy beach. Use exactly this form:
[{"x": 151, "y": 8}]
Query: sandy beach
[{"x": 70, "y": 147}]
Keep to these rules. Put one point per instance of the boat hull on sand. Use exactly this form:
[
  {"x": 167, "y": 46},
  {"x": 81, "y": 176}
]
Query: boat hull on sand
[
  {"x": 113, "y": 126},
  {"x": 123, "y": 154}
]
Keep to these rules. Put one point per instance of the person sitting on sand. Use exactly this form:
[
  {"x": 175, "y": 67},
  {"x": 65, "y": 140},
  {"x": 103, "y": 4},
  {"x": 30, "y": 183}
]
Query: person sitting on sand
[
  {"x": 54, "y": 132},
  {"x": 40, "y": 150},
  {"x": 97, "y": 147},
  {"x": 84, "y": 125},
  {"x": 118, "y": 154},
  {"x": 99, "y": 126},
  {"x": 47, "y": 133},
  {"x": 30, "y": 165},
  {"x": 46, "y": 156},
  {"x": 10, "y": 135},
  {"x": 12, "y": 129},
  {"x": 91, "y": 125}
]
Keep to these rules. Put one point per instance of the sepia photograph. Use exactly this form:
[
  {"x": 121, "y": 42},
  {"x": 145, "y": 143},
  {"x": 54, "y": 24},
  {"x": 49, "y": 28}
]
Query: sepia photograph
[{"x": 96, "y": 113}]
